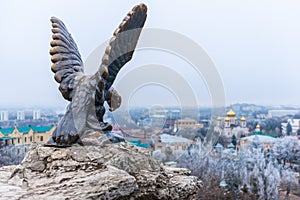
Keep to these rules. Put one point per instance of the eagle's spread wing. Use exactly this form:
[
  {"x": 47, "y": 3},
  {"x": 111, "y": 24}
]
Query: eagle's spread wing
[
  {"x": 67, "y": 63},
  {"x": 122, "y": 44}
]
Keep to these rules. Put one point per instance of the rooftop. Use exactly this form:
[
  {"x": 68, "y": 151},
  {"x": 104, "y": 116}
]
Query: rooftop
[
  {"x": 230, "y": 113},
  {"x": 219, "y": 145},
  {"x": 26, "y": 129},
  {"x": 231, "y": 145},
  {"x": 261, "y": 138},
  {"x": 166, "y": 138}
]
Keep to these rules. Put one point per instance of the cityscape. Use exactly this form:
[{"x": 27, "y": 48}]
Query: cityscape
[
  {"x": 173, "y": 100},
  {"x": 169, "y": 134}
]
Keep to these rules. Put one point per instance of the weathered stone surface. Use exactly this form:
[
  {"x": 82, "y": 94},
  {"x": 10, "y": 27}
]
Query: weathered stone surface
[
  {"x": 115, "y": 171},
  {"x": 8, "y": 191}
]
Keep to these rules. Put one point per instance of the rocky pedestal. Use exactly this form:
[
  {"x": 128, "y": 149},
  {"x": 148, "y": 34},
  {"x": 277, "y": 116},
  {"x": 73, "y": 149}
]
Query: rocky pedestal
[{"x": 115, "y": 171}]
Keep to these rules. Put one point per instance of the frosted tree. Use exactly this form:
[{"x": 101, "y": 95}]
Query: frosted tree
[
  {"x": 272, "y": 180},
  {"x": 287, "y": 149},
  {"x": 253, "y": 174},
  {"x": 158, "y": 155},
  {"x": 264, "y": 171},
  {"x": 213, "y": 168},
  {"x": 288, "y": 181},
  {"x": 12, "y": 154}
]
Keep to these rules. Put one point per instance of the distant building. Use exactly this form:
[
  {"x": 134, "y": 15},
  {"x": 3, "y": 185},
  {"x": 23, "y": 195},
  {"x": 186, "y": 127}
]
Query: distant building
[
  {"x": 4, "y": 116},
  {"x": 175, "y": 143},
  {"x": 266, "y": 141},
  {"x": 295, "y": 124},
  {"x": 25, "y": 135},
  {"x": 173, "y": 114},
  {"x": 251, "y": 107},
  {"x": 231, "y": 125},
  {"x": 230, "y": 150},
  {"x": 20, "y": 115},
  {"x": 281, "y": 113},
  {"x": 187, "y": 123},
  {"x": 36, "y": 115},
  {"x": 158, "y": 121},
  {"x": 257, "y": 129},
  {"x": 261, "y": 116},
  {"x": 157, "y": 116}
]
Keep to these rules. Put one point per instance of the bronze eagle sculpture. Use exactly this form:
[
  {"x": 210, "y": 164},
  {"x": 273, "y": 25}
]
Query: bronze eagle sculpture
[{"x": 83, "y": 121}]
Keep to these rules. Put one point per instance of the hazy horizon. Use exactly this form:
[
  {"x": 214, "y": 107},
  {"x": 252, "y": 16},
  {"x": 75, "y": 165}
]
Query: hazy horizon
[{"x": 254, "y": 45}]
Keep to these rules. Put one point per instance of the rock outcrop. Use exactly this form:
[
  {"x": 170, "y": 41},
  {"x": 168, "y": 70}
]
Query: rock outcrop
[{"x": 115, "y": 171}]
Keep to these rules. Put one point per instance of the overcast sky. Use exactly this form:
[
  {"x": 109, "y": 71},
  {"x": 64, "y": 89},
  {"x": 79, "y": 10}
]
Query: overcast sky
[{"x": 255, "y": 44}]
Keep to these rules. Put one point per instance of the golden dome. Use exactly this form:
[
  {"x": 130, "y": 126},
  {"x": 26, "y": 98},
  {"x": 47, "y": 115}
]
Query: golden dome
[
  {"x": 243, "y": 119},
  {"x": 219, "y": 118},
  {"x": 257, "y": 126},
  {"x": 227, "y": 119},
  {"x": 230, "y": 113}
]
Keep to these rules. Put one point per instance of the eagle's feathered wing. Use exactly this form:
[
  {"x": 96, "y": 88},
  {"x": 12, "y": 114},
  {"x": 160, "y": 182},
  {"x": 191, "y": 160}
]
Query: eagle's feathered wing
[
  {"x": 67, "y": 62},
  {"x": 122, "y": 44},
  {"x": 66, "y": 59}
]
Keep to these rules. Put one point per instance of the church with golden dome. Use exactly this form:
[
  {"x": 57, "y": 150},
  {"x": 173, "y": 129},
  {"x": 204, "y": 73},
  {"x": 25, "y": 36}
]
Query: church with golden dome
[{"x": 231, "y": 125}]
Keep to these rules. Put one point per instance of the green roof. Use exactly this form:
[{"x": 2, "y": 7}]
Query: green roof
[
  {"x": 257, "y": 133},
  {"x": 41, "y": 129},
  {"x": 272, "y": 134},
  {"x": 25, "y": 129},
  {"x": 269, "y": 134},
  {"x": 6, "y": 131},
  {"x": 138, "y": 143}
]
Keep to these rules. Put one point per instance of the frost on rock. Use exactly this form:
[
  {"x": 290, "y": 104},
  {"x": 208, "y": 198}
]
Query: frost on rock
[{"x": 115, "y": 171}]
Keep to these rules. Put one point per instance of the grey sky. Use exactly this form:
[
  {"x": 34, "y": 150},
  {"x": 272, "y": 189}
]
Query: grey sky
[{"x": 254, "y": 44}]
